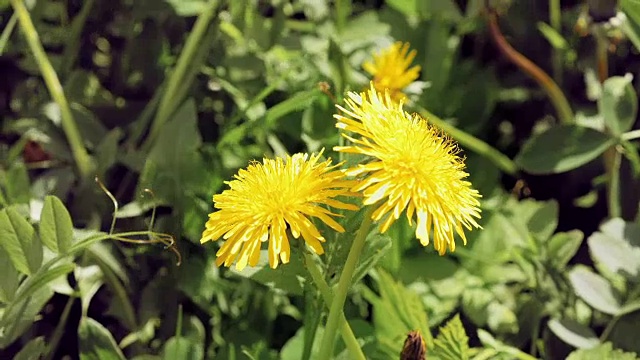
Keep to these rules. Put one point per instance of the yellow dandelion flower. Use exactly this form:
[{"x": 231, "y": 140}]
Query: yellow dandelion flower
[
  {"x": 266, "y": 199},
  {"x": 414, "y": 168},
  {"x": 390, "y": 69}
]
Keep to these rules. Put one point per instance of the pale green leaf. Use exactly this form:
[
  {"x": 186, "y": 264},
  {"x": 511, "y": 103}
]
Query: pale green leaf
[
  {"x": 594, "y": 290},
  {"x": 56, "y": 227}
]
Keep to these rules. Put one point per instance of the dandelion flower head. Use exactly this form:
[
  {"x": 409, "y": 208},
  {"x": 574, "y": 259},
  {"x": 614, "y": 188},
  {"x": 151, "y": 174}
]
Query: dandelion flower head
[
  {"x": 267, "y": 199},
  {"x": 413, "y": 167},
  {"x": 390, "y": 69}
]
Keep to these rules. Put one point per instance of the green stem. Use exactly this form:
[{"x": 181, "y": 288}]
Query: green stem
[
  {"x": 118, "y": 290},
  {"x": 607, "y": 330},
  {"x": 473, "y": 143},
  {"x": 8, "y": 30},
  {"x": 555, "y": 20},
  {"x": 60, "y": 328},
  {"x": 345, "y": 330},
  {"x": 615, "y": 209},
  {"x": 81, "y": 157},
  {"x": 72, "y": 45},
  {"x": 169, "y": 98},
  {"x": 337, "y": 304},
  {"x": 343, "y": 9},
  {"x": 631, "y": 135}
]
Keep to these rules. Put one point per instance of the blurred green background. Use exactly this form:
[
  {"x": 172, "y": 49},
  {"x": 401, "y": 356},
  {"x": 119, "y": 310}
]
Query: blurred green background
[{"x": 175, "y": 96}]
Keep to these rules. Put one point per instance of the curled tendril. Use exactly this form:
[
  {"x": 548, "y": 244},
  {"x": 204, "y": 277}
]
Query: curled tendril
[
  {"x": 153, "y": 212},
  {"x": 153, "y": 237},
  {"x": 113, "y": 199}
]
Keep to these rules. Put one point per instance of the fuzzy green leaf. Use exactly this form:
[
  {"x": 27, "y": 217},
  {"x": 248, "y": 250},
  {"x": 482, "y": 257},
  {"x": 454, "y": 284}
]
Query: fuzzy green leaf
[{"x": 452, "y": 343}]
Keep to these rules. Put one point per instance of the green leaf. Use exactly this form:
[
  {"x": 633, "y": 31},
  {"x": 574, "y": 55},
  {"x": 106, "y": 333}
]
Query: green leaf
[
  {"x": 90, "y": 279},
  {"x": 474, "y": 304},
  {"x": 10, "y": 278},
  {"x": 107, "y": 151},
  {"x": 40, "y": 280},
  {"x": 562, "y": 148},
  {"x": 563, "y": 246},
  {"x": 376, "y": 246},
  {"x": 56, "y": 228},
  {"x": 501, "y": 319},
  {"x": 574, "y": 333},
  {"x": 188, "y": 8},
  {"x": 601, "y": 352},
  {"x": 19, "y": 241},
  {"x": 501, "y": 348},
  {"x": 296, "y": 102},
  {"x": 173, "y": 170},
  {"x": 396, "y": 312},
  {"x": 182, "y": 348},
  {"x": 594, "y": 290},
  {"x": 618, "y": 104},
  {"x": 615, "y": 254},
  {"x": 16, "y": 182},
  {"x": 452, "y": 343},
  {"x": 34, "y": 349},
  {"x": 96, "y": 342},
  {"x": 630, "y": 24},
  {"x": 624, "y": 333},
  {"x": 541, "y": 217},
  {"x": 553, "y": 37},
  {"x": 406, "y": 7},
  {"x": 20, "y": 315},
  {"x": 287, "y": 277}
]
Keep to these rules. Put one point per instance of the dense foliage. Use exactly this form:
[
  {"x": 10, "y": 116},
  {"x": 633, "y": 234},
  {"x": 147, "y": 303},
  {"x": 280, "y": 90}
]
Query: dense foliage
[{"x": 122, "y": 118}]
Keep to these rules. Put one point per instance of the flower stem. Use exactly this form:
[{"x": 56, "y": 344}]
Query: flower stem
[
  {"x": 615, "y": 209},
  {"x": 171, "y": 97},
  {"x": 60, "y": 328},
  {"x": 6, "y": 33},
  {"x": 555, "y": 20},
  {"x": 80, "y": 155},
  {"x": 473, "y": 143},
  {"x": 337, "y": 304},
  {"x": 631, "y": 135},
  {"x": 345, "y": 330},
  {"x": 556, "y": 96}
]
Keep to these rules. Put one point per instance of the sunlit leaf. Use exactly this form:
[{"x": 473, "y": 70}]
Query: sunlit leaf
[
  {"x": 594, "y": 290},
  {"x": 574, "y": 333}
]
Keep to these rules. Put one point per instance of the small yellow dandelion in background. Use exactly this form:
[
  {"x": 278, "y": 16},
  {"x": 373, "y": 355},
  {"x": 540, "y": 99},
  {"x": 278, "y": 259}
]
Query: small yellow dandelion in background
[
  {"x": 390, "y": 69},
  {"x": 414, "y": 168},
  {"x": 266, "y": 199}
]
